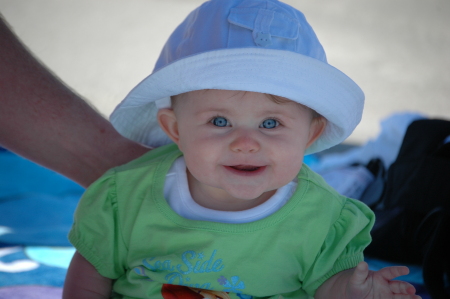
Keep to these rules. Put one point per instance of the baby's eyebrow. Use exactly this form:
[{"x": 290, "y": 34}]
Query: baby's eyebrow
[
  {"x": 276, "y": 113},
  {"x": 213, "y": 110}
]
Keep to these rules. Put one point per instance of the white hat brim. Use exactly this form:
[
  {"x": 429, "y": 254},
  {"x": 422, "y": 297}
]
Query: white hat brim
[{"x": 300, "y": 78}]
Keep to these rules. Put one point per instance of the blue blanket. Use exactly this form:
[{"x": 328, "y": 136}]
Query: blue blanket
[{"x": 36, "y": 208}]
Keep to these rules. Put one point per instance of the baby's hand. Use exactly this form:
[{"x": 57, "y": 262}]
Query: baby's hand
[{"x": 367, "y": 284}]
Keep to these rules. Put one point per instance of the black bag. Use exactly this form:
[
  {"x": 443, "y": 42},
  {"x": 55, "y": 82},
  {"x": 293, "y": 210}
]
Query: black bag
[{"x": 413, "y": 214}]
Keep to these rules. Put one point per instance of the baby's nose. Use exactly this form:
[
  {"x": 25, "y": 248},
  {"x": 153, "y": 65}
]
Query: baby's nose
[{"x": 244, "y": 142}]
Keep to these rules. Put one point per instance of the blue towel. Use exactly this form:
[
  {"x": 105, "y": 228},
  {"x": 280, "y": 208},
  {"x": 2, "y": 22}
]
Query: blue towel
[{"x": 36, "y": 204}]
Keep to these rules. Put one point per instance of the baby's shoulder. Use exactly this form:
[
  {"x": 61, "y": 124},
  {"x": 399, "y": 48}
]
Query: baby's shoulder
[
  {"x": 318, "y": 192},
  {"x": 154, "y": 157},
  {"x": 315, "y": 185}
]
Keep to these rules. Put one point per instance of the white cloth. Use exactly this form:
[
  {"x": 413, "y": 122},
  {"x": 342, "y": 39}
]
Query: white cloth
[
  {"x": 385, "y": 146},
  {"x": 176, "y": 192},
  {"x": 337, "y": 168}
]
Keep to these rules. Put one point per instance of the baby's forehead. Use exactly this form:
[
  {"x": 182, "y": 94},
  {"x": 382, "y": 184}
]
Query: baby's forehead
[{"x": 219, "y": 96}]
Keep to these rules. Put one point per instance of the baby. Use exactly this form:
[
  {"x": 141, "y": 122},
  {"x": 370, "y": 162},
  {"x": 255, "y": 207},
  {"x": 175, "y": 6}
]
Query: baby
[{"x": 223, "y": 206}]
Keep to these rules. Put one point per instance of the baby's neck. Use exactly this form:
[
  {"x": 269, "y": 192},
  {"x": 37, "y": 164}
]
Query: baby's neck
[{"x": 219, "y": 200}]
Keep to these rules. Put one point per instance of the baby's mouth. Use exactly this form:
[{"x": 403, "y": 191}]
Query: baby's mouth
[{"x": 248, "y": 168}]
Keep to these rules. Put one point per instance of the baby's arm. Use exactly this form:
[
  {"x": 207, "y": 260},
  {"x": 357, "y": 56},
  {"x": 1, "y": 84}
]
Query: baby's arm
[
  {"x": 361, "y": 283},
  {"x": 83, "y": 281}
]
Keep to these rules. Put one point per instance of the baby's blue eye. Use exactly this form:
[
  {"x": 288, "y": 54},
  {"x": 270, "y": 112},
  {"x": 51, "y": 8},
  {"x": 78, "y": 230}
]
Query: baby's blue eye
[
  {"x": 269, "y": 124},
  {"x": 220, "y": 121}
]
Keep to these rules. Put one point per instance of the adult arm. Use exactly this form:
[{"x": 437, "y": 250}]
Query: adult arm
[{"x": 43, "y": 120}]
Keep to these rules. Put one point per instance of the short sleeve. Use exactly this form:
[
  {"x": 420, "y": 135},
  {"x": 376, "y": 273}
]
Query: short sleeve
[
  {"x": 343, "y": 246},
  {"x": 95, "y": 232}
]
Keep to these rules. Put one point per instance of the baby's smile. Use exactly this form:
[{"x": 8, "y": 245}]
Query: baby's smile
[
  {"x": 246, "y": 167},
  {"x": 246, "y": 170}
]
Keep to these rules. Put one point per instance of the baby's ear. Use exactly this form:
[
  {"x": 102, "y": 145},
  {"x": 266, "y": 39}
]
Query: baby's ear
[
  {"x": 318, "y": 124},
  {"x": 168, "y": 122}
]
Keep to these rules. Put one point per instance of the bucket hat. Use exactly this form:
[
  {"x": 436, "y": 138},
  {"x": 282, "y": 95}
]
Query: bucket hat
[{"x": 252, "y": 45}]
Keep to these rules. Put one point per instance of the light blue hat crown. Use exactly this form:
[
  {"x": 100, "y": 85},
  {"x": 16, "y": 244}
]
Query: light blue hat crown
[{"x": 253, "y": 45}]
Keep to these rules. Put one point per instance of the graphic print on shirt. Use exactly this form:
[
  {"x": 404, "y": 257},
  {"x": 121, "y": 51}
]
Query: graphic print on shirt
[
  {"x": 180, "y": 280},
  {"x": 170, "y": 291}
]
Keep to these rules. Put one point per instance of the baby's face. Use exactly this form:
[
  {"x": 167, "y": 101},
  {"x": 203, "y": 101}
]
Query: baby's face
[{"x": 239, "y": 147}]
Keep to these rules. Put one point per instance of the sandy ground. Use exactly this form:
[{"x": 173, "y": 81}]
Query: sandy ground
[{"x": 398, "y": 51}]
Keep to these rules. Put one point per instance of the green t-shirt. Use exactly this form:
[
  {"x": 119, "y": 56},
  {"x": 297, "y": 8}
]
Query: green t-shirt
[{"x": 126, "y": 229}]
